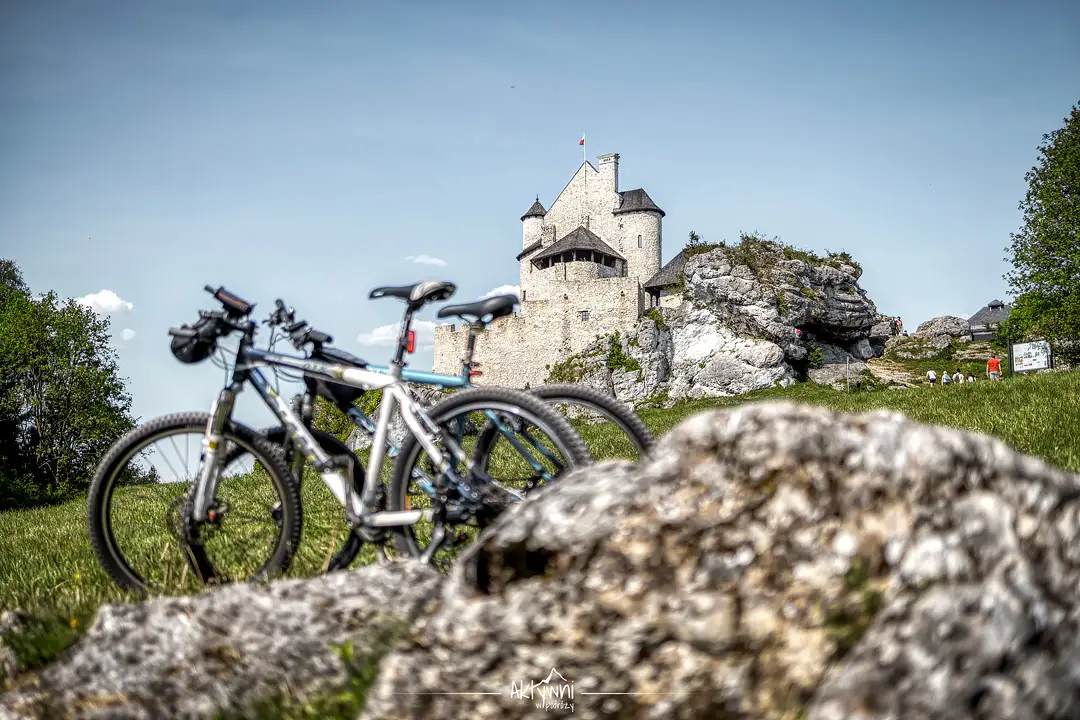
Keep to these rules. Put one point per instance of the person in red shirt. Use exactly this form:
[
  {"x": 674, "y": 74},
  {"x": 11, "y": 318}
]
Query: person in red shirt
[{"x": 993, "y": 368}]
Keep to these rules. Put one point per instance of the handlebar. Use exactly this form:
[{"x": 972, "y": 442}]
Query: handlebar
[{"x": 299, "y": 332}]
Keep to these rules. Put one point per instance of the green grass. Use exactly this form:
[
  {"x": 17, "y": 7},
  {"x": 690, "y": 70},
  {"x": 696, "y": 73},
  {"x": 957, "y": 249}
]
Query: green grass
[{"x": 48, "y": 569}]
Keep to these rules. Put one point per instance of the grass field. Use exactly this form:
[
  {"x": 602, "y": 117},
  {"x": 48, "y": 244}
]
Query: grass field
[{"x": 47, "y": 567}]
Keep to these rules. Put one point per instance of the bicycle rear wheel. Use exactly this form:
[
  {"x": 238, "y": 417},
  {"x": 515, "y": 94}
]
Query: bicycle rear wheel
[
  {"x": 597, "y": 403},
  {"x": 521, "y": 417},
  {"x": 176, "y": 550}
]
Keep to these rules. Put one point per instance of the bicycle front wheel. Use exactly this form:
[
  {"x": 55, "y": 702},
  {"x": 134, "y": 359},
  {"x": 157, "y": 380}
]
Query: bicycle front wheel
[
  {"x": 532, "y": 444},
  {"x": 147, "y": 479}
]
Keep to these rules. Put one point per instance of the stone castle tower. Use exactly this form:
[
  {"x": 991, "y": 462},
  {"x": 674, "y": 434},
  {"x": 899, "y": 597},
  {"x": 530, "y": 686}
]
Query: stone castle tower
[{"x": 584, "y": 263}]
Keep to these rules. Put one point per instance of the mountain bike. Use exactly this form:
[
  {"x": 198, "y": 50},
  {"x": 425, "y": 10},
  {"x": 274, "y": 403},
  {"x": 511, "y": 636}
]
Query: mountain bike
[
  {"x": 407, "y": 487},
  {"x": 462, "y": 490}
]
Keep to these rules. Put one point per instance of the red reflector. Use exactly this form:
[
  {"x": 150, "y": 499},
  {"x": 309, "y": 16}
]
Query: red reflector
[
  {"x": 474, "y": 373},
  {"x": 412, "y": 342}
]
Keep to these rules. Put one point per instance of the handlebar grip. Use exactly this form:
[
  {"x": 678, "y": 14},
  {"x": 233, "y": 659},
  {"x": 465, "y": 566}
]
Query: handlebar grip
[
  {"x": 230, "y": 301},
  {"x": 319, "y": 337}
]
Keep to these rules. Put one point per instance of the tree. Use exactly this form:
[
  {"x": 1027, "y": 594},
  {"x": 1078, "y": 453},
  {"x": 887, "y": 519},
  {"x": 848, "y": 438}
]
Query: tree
[
  {"x": 694, "y": 240},
  {"x": 1045, "y": 254},
  {"x": 62, "y": 401}
]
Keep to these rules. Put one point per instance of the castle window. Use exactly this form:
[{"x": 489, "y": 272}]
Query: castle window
[
  {"x": 584, "y": 316},
  {"x": 639, "y": 242},
  {"x": 522, "y": 296}
]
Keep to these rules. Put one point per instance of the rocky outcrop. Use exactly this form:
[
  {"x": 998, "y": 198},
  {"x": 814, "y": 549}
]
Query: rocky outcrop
[
  {"x": 770, "y": 561},
  {"x": 749, "y": 315},
  {"x": 226, "y": 651},
  {"x": 839, "y": 369},
  {"x": 773, "y": 561},
  {"x": 946, "y": 325},
  {"x": 931, "y": 338}
]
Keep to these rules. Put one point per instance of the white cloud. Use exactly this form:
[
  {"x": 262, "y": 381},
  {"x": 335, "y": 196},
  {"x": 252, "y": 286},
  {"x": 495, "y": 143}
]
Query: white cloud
[
  {"x": 425, "y": 260},
  {"x": 386, "y": 335},
  {"x": 105, "y": 302},
  {"x": 127, "y": 334},
  {"x": 502, "y": 290}
]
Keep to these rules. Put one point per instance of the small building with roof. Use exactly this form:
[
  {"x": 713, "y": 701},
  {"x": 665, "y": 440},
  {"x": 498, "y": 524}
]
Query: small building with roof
[
  {"x": 583, "y": 266},
  {"x": 985, "y": 322},
  {"x": 664, "y": 289}
]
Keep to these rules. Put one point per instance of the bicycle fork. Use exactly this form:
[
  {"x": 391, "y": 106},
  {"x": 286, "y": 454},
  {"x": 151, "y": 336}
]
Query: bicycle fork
[{"x": 206, "y": 483}]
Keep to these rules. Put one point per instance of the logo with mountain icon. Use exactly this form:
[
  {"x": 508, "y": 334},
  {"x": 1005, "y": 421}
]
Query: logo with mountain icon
[{"x": 554, "y": 692}]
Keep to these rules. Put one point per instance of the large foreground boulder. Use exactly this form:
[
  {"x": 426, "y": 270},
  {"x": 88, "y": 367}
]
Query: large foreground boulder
[
  {"x": 772, "y": 561},
  {"x": 226, "y": 651}
]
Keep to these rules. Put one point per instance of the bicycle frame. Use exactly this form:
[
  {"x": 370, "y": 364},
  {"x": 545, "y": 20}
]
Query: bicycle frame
[{"x": 358, "y": 510}]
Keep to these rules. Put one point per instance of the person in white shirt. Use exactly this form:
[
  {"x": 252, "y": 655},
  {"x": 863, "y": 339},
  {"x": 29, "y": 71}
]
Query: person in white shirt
[
  {"x": 931, "y": 376},
  {"x": 958, "y": 378},
  {"x": 971, "y": 378}
]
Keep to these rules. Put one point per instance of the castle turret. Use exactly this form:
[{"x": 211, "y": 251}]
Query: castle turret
[
  {"x": 531, "y": 222},
  {"x": 641, "y": 220}
]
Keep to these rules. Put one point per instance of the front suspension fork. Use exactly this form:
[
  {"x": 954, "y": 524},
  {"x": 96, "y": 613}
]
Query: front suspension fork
[{"x": 206, "y": 483}]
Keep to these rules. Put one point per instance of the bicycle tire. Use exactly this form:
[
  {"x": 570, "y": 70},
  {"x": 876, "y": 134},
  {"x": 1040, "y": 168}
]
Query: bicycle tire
[
  {"x": 573, "y": 450},
  {"x": 102, "y": 484},
  {"x": 606, "y": 405}
]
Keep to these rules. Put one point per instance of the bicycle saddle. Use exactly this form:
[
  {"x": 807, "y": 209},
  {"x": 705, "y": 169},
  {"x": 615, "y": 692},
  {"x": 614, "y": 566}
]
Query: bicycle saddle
[
  {"x": 483, "y": 310},
  {"x": 417, "y": 295}
]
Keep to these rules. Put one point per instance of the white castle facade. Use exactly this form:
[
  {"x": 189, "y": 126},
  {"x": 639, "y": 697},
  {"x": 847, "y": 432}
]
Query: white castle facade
[{"x": 585, "y": 270}]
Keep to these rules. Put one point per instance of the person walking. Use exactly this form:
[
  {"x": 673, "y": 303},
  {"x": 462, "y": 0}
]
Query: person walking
[
  {"x": 993, "y": 367},
  {"x": 931, "y": 377},
  {"x": 945, "y": 378},
  {"x": 958, "y": 378}
]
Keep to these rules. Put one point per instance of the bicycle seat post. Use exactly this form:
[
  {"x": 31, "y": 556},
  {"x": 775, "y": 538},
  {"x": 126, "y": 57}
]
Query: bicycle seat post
[
  {"x": 470, "y": 348},
  {"x": 402, "y": 344}
]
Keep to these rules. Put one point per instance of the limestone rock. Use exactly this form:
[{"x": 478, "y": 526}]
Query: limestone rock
[
  {"x": 947, "y": 325},
  {"x": 840, "y": 369},
  {"x": 862, "y": 349},
  {"x": 740, "y": 329},
  {"x": 223, "y": 650},
  {"x": 771, "y": 561},
  {"x": 11, "y": 622}
]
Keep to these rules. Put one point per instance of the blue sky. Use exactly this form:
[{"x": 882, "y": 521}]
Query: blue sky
[{"x": 307, "y": 150}]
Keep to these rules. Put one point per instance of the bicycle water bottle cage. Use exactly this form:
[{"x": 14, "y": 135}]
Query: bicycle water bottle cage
[{"x": 418, "y": 295}]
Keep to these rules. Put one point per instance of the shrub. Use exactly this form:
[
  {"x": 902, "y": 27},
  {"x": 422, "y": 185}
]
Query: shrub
[
  {"x": 657, "y": 318},
  {"x": 617, "y": 357},
  {"x": 814, "y": 357}
]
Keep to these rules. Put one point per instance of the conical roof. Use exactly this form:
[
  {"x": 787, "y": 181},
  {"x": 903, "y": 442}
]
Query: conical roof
[{"x": 536, "y": 210}]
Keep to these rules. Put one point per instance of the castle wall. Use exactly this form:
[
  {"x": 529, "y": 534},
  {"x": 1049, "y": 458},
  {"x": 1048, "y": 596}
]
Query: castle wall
[{"x": 517, "y": 350}]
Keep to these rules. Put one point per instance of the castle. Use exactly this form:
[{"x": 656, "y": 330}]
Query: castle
[{"x": 589, "y": 266}]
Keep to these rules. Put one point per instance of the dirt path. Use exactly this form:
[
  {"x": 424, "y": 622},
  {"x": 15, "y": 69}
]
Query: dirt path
[{"x": 891, "y": 373}]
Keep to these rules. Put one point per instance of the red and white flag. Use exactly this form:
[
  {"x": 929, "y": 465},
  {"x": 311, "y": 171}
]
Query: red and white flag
[{"x": 582, "y": 141}]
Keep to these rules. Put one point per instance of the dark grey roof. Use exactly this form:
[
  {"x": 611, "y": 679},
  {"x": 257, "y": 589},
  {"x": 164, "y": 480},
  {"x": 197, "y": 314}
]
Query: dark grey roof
[
  {"x": 637, "y": 201},
  {"x": 995, "y": 312},
  {"x": 536, "y": 210},
  {"x": 578, "y": 239},
  {"x": 530, "y": 248},
  {"x": 669, "y": 274}
]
